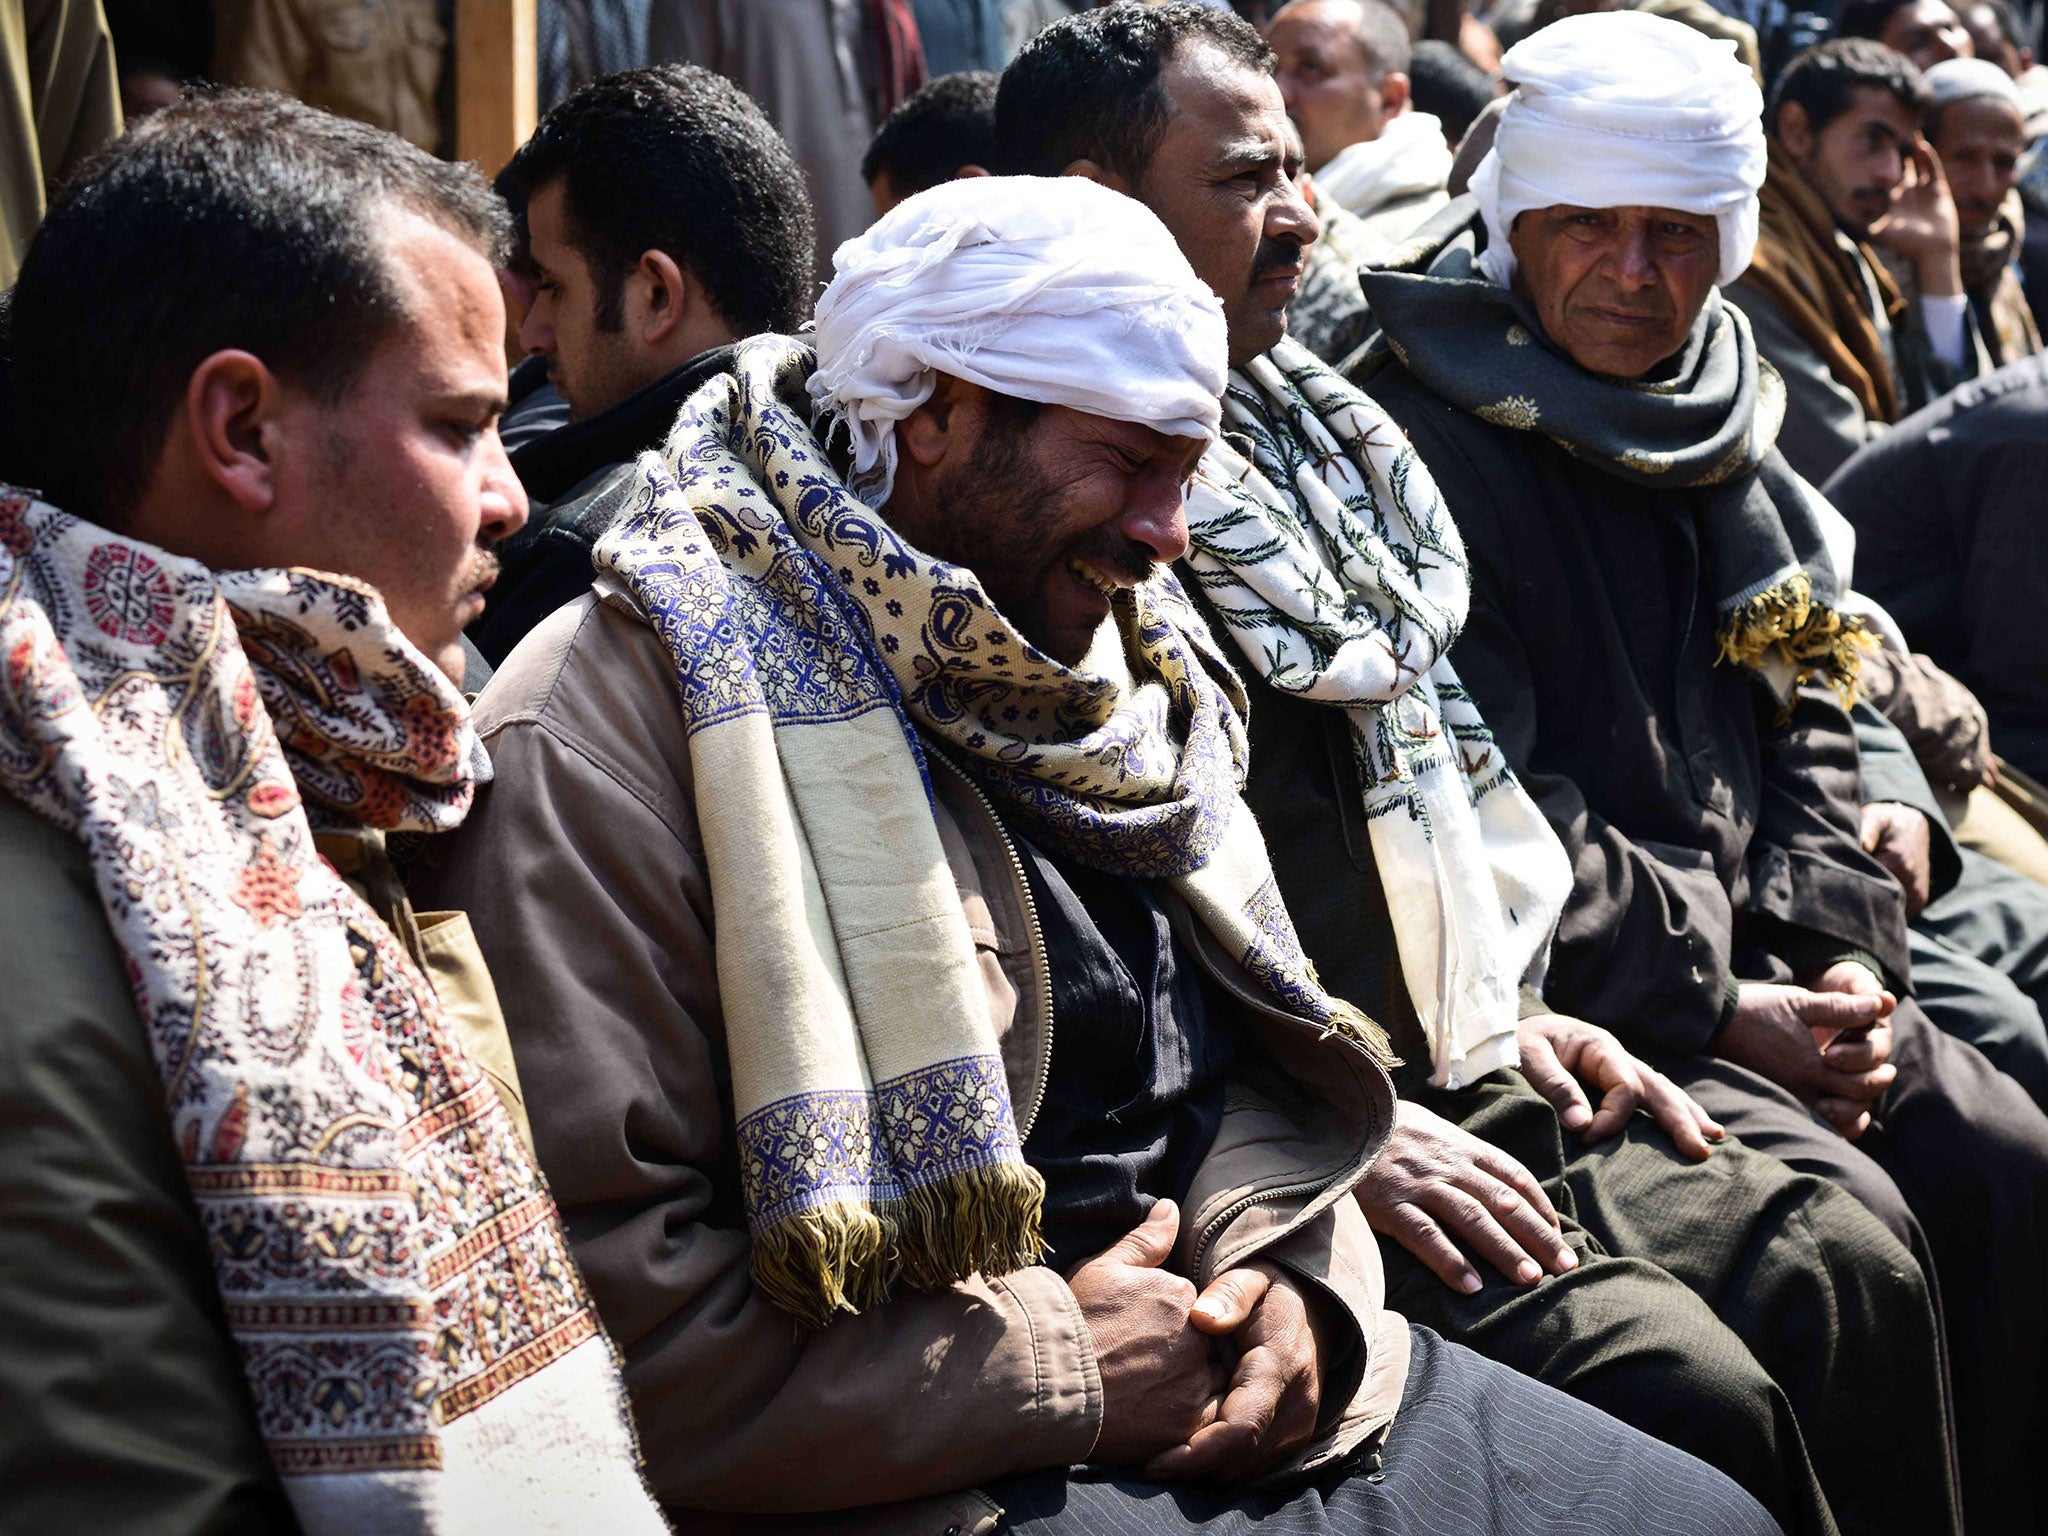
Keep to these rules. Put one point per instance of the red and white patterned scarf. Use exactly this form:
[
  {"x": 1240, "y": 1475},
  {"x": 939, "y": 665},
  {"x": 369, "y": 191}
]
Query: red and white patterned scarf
[{"x": 421, "y": 1351}]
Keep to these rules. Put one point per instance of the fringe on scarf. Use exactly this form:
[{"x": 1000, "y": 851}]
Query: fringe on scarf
[
  {"x": 1818, "y": 640},
  {"x": 847, "y": 1258}
]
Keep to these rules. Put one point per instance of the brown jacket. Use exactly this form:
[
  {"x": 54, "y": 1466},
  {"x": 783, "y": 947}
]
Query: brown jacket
[
  {"x": 582, "y": 871},
  {"x": 378, "y": 61}
]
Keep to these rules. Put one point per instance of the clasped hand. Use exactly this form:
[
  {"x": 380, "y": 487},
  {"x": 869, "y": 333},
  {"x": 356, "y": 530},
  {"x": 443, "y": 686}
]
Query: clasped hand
[
  {"x": 1829, "y": 1043},
  {"x": 1220, "y": 1384}
]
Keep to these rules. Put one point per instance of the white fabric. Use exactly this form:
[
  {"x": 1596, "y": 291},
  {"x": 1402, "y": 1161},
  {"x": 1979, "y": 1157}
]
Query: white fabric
[
  {"x": 1620, "y": 109},
  {"x": 1409, "y": 157},
  {"x": 1947, "y": 318},
  {"x": 1053, "y": 289},
  {"x": 1320, "y": 538},
  {"x": 1960, "y": 79}
]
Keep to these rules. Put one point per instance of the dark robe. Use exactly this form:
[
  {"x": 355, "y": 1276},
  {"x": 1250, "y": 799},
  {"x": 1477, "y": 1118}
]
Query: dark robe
[{"x": 1710, "y": 841}]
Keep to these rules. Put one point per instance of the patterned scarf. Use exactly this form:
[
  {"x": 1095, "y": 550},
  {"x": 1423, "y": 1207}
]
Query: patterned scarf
[
  {"x": 1708, "y": 422},
  {"x": 1320, "y": 538},
  {"x": 420, "y": 1349},
  {"x": 812, "y": 647}
]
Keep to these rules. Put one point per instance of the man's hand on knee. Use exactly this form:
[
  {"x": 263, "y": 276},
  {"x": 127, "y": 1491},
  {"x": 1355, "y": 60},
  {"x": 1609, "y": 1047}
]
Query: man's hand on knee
[
  {"x": 1275, "y": 1393},
  {"x": 1828, "y": 1044},
  {"x": 1161, "y": 1380},
  {"x": 1435, "y": 1184},
  {"x": 1559, "y": 1051}
]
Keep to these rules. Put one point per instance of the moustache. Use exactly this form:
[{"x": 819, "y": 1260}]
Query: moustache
[
  {"x": 1274, "y": 254},
  {"x": 1128, "y": 558}
]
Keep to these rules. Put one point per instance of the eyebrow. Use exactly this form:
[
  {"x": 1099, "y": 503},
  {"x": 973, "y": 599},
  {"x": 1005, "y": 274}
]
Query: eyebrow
[
  {"x": 485, "y": 402},
  {"x": 1249, "y": 155}
]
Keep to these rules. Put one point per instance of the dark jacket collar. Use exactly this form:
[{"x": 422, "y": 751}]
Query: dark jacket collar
[{"x": 551, "y": 466}]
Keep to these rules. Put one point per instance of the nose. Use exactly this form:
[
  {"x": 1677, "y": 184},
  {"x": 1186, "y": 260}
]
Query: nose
[
  {"x": 1634, "y": 268},
  {"x": 504, "y": 498},
  {"x": 1289, "y": 216},
  {"x": 537, "y": 330},
  {"x": 1156, "y": 516}
]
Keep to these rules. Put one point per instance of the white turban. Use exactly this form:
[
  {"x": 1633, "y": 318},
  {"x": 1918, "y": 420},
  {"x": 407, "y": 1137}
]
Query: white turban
[
  {"x": 1049, "y": 289},
  {"x": 1960, "y": 79},
  {"x": 1621, "y": 109}
]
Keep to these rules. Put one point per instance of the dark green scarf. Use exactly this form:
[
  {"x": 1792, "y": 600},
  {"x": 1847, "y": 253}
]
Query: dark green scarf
[{"x": 1706, "y": 420}]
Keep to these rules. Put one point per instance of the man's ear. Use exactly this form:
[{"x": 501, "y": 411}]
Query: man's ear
[
  {"x": 230, "y": 427},
  {"x": 934, "y": 429},
  {"x": 972, "y": 173},
  {"x": 1395, "y": 94},
  {"x": 670, "y": 293},
  {"x": 1794, "y": 129},
  {"x": 1092, "y": 170}
]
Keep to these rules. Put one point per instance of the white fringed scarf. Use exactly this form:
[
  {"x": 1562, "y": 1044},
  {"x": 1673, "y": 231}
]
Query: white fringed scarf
[{"x": 1321, "y": 540}]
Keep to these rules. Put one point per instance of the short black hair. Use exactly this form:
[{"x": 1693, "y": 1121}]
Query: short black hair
[
  {"x": 235, "y": 219},
  {"x": 679, "y": 160},
  {"x": 1446, "y": 84},
  {"x": 1088, "y": 87},
  {"x": 1825, "y": 78},
  {"x": 949, "y": 123}
]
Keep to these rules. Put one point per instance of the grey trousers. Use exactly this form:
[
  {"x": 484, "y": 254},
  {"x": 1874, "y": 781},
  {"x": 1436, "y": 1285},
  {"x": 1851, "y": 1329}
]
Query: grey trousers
[
  {"x": 1980, "y": 968},
  {"x": 1956, "y": 1164},
  {"x": 1477, "y": 1450}
]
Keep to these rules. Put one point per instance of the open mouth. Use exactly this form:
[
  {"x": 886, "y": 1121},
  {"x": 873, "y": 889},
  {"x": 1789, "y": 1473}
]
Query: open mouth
[{"x": 1089, "y": 576}]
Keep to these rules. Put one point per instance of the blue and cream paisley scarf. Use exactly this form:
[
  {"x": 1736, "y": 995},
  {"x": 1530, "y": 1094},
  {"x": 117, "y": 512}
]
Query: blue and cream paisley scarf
[
  {"x": 420, "y": 1350},
  {"x": 816, "y": 655},
  {"x": 1319, "y": 536}
]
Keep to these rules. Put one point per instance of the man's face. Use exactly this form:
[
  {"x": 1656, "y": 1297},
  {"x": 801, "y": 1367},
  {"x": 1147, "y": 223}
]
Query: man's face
[
  {"x": 592, "y": 367},
  {"x": 1857, "y": 162},
  {"x": 1979, "y": 140},
  {"x": 1326, "y": 78},
  {"x": 1222, "y": 182},
  {"x": 1927, "y": 31},
  {"x": 1055, "y": 516},
  {"x": 1617, "y": 288},
  {"x": 405, "y": 484},
  {"x": 1988, "y": 40}
]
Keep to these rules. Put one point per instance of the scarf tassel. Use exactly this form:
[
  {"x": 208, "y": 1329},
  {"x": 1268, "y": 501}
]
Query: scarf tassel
[
  {"x": 1815, "y": 638},
  {"x": 845, "y": 1257},
  {"x": 1355, "y": 1024}
]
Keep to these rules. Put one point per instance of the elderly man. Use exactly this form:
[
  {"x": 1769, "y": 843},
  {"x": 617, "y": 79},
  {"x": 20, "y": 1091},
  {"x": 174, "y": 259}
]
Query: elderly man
[
  {"x": 1849, "y": 173},
  {"x": 276, "y": 1255},
  {"x": 1432, "y": 911},
  {"x": 1977, "y": 129},
  {"x": 998, "y": 1125},
  {"x": 1652, "y": 639}
]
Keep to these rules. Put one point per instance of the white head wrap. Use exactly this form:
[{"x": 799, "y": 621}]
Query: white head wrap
[
  {"x": 1623, "y": 109},
  {"x": 1049, "y": 289},
  {"x": 1960, "y": 79}
]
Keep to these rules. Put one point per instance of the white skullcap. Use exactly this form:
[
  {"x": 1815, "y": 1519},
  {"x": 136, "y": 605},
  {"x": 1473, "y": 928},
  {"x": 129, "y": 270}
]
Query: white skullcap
[
  {"x": 1960, "y": 79},
  {"x": 1623, "y": 109},
  {"x": 1052, "y": 289}
]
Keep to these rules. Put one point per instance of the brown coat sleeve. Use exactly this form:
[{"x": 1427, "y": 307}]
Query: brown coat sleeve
[{"x": 581, "y": 872}]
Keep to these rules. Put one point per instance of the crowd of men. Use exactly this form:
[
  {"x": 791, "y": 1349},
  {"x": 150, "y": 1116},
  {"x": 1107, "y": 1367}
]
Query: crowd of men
[{"x": 1235, "y": 837}]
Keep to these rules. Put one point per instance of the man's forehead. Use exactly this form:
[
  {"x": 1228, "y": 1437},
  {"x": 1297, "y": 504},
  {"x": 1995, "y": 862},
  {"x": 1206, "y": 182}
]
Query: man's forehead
[
  {"x": 1873, "y": 105},
  {"x": 455, "y": 318},
  {"x": 1632, "y": 211},
  {"x": 1217, "y": 101},
  {"x": 1326, "y": 27}
]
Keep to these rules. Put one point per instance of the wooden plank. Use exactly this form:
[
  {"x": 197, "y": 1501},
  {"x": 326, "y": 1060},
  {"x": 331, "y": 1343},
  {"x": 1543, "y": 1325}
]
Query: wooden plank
[{"x": 497, "y": 79}]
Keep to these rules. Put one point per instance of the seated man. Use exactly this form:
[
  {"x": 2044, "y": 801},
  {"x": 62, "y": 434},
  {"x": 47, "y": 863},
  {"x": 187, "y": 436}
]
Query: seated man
[
  {"x": 1924, "y": 31},
  {"x": 1977, "y": 130},
  {"x": 1343, "y": 72},
  {"x": 276, "y": 1255},
  {"x": 947, "y": 128},
  {"x": 665, "y": 219},
  {"x": 879, "y": 906},
  {"x": 1947, "y": 513},
  {"x": 1648, "y": 586},
  {"x": 1848, "y": 167},
  {"x": 1398, "y": 885}
]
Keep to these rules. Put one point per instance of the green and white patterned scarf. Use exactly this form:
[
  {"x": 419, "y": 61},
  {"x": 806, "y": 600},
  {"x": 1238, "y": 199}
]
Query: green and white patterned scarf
[
  {"x": 816, "y": 655},
  {"x": 1321, "y": 540}
]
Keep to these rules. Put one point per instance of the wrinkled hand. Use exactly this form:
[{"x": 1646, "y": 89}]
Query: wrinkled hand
[
  {"x": 1432, "y": 1176},
  {"x": 1899, "y": 838},
  {"x": 1922, "y": 224},
  {"x": 1558, "y": 1051},
  {"x": 1269, "y": 1409},
  {"x": 1160, "y": 1377},
  {"x": 1795, "y": 1036}
]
